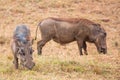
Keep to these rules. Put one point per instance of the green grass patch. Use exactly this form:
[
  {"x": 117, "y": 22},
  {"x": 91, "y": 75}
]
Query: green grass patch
[
  {"x": 56, "y": 65},
  {"x": 71, "y": 66},
  {"x": 100, "y": 68}
]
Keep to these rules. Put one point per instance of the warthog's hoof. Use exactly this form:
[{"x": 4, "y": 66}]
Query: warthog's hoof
[
  {"x": 13, "y": 62},
  {"x": 39, "y": 53},
  {"x": 81, "y": 54},
  {"x": 86, "y": 53}
]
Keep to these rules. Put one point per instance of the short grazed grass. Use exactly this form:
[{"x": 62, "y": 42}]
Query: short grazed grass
[{"x": 54, "y": 66}]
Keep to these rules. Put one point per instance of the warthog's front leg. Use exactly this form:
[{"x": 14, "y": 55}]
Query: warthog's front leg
[
  {"x": 15, "y": 61},
  {"x": 85, "y": 47},
  {"x": 14, "y": 52},
  {"x": 80, "y": 46}
]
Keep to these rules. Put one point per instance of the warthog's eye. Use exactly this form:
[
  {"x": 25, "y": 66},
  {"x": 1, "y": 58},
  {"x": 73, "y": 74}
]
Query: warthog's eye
[
  {"x": 21, "y": 52},
  {"x": 105, "y": 34}
]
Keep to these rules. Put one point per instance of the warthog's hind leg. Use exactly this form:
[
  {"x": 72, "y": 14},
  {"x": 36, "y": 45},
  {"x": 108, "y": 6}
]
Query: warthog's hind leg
[{"x": 40, "y": 45}]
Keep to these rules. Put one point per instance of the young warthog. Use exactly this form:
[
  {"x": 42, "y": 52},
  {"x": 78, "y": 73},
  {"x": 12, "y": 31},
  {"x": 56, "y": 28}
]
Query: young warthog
[
  {"x": 22, "y": 47},
  {"x": 67, "y": 30}
]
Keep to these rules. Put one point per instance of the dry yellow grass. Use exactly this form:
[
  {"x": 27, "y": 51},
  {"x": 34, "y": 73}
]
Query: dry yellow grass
[{"x": 61, "y": 62}]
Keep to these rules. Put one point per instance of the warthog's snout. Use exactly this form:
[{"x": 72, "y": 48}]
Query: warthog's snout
[
  {"x": 103, "y": 50},
  {"x": 30, "y": 65}
]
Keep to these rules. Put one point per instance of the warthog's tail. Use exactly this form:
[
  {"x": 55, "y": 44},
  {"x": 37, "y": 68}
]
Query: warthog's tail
[{"x": 36, "y": 31}]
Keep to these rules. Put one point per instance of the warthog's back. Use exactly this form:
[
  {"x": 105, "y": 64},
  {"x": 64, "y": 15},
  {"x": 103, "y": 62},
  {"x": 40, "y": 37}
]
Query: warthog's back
[
  {"x": 21, "y": 33},
  {"x": 74, "y": 20},
  {"x": 66, "y": 24}
]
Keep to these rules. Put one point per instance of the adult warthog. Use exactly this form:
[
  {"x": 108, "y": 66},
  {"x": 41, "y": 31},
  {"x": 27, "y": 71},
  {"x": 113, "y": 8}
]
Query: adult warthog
[
  {"x": 67, "y": 30},
  {"x": 22, "y": 47}
]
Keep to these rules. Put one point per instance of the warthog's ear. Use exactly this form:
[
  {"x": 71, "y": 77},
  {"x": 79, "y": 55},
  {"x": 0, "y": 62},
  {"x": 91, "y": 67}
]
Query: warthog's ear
[
  {"x": 28, "y": 38},
  {"x": 96, "y": 30},
  {"x": 97, "y": 24},
  {"x": 32, "y": 41},
  {"x": 18, "y": 43}
]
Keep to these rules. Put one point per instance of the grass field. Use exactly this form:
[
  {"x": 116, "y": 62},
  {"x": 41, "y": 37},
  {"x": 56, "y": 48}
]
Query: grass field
[{"x": 61, "y": 62}]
